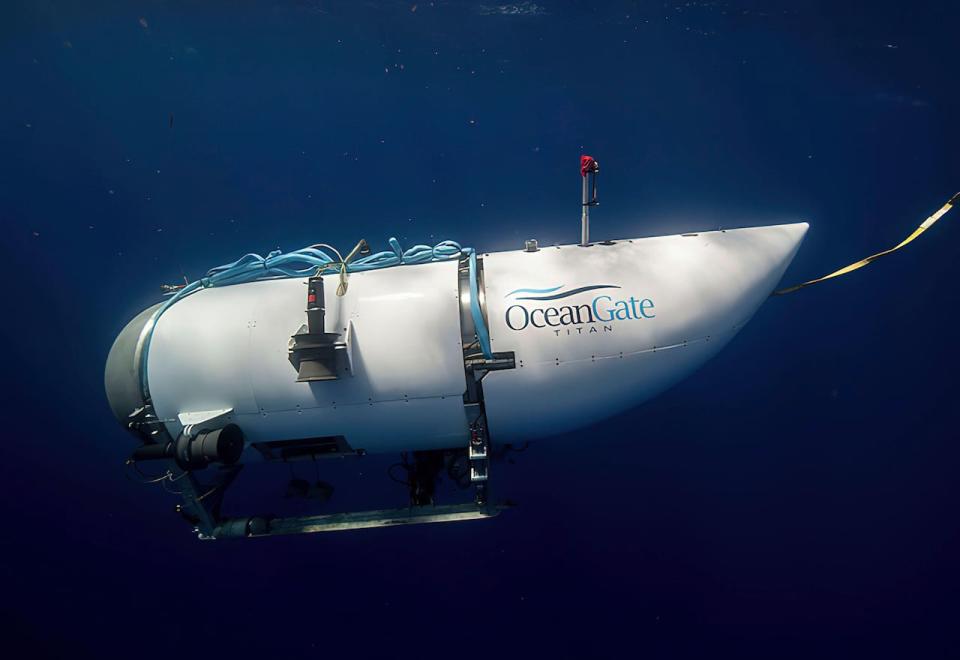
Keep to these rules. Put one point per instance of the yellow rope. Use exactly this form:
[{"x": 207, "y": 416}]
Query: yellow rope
[{"x": 926, "y": 224}]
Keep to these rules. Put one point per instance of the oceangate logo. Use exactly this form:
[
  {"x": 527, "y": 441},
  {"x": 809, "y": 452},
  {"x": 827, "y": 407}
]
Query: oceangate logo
[{"x": 603, "y": 309}]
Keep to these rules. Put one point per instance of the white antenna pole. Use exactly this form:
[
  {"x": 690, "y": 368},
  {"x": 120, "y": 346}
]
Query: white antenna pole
[
  {"x": 588, "y": 171},
  {"x": 585, "y": 214}
]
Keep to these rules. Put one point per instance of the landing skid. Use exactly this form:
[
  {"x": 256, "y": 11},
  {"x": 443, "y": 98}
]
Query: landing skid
[
  {"x": 337, "y": 522},
  {"x": 202, "y": 502}
]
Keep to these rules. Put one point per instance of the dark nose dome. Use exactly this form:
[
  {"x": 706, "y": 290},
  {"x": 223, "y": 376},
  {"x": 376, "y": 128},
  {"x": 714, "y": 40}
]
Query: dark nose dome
[{"x": 121, "y": 378}]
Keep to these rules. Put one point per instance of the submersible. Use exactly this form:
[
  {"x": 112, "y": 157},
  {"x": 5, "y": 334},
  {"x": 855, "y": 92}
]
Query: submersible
[{"x": 440, "y": 352}]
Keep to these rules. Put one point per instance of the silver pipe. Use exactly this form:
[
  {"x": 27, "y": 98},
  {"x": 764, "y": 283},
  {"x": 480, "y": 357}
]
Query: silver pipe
[{"x": 585, "y": 215}]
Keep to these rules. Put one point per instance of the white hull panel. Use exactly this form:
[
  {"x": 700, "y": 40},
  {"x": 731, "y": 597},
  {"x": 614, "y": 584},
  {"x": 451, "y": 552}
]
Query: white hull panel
[
  {"x": 227, "y": 348},
  {"x": 690, "y": 296}
]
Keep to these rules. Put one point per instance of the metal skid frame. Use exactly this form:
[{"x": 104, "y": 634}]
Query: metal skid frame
[
  {"x": 201, "y": 507},
  {"x": 201, "y": 501}
]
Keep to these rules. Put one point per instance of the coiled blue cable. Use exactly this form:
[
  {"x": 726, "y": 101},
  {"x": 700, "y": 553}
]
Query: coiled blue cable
[{"x": 310, "y": 261}]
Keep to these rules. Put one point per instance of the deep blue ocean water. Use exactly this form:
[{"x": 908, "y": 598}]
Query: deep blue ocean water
[{"x": 795, "y": 498}]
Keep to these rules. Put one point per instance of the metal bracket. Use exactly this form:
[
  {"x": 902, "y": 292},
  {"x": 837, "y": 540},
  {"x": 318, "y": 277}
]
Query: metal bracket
[{"x": 478, "y": 453}]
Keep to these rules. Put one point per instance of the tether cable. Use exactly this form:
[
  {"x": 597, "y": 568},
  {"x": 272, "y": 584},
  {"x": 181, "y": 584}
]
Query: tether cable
[{"x": 926, "y": 224}]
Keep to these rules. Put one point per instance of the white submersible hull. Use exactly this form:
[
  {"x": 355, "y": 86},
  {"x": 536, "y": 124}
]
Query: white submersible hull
[{"x": 576, "y": 334}]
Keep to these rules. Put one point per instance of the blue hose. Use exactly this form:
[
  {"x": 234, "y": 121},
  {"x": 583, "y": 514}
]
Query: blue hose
[{"x": 310, "y": 261}]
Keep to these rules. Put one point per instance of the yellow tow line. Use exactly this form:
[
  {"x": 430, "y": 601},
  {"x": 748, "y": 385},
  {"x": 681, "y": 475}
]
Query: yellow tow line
[{"x": 926, "y": 224}]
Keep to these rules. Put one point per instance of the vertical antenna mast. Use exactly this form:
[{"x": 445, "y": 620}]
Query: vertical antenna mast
[{"x": 589, "y": 169}]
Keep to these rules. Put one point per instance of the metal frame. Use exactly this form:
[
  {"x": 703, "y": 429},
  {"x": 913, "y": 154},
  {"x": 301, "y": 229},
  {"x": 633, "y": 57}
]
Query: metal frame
[
  {"x": 351, "y": 520},
  {"x": 201, "y": 502}
]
